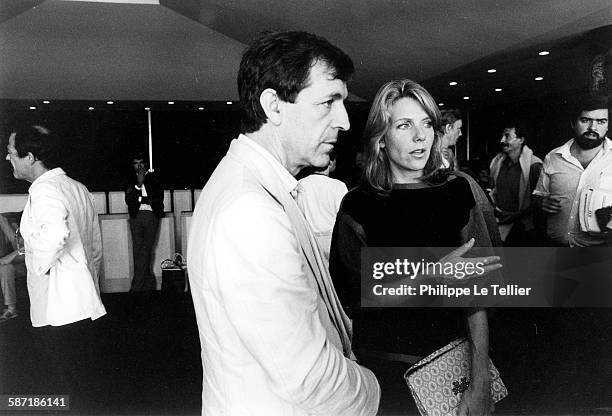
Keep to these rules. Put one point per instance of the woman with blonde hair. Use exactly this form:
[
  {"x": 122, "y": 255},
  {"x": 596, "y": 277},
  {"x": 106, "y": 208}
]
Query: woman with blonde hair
[{"x": 407, "y": 199}]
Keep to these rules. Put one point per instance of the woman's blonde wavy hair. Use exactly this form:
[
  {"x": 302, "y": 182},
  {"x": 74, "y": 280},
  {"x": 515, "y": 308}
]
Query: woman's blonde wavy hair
[{"x": 377, "y": 171}]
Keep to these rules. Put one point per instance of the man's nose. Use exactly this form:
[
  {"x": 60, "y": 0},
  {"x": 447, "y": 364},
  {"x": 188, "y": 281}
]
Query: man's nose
[
  {"x": 8, "y": 157},
  {"x": 341, "y": 118}
]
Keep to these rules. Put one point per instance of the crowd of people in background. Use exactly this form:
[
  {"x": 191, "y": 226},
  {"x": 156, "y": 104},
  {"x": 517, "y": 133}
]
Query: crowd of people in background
[{"x": 275, "y": 263}]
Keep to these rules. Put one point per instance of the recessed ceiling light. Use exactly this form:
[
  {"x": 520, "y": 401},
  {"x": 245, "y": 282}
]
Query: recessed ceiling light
[
  {"x": 109, "y": 102},
  {"x": 452, "y": 83},
  {"x": 498, "y": 89},
  {"x": 466, "y": 98},
  {"x": 32, "y": 108},
  {"x": 170, "y": 102},
  {"x": 147, "y": 108},
  {"x": 440, "y": 104},
  {"x": 46, "y": 102},
  {"x": 543, "y": 53},
  {"x": 228, "y": 102},
  {"x": 491, "y": 71},
  {"x": 200, "y": 108},
  {"x": 539, "y": 78},
  {"x": 90, "y": 108}
]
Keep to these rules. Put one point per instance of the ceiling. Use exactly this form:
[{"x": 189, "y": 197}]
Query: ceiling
[{"x": 189, "y": 50}]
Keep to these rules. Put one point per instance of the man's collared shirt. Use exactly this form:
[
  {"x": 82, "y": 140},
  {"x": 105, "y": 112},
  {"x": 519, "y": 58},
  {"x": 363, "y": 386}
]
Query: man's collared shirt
[
  {"x": 265, "y": 345},
  {"x": 143, "y": 192},
  {"x": 63, "y": 248},
  {"x": 319, "y": 199},
  {"x": 564, "y": 177}
]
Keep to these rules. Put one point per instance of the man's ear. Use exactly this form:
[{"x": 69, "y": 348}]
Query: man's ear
[
  {"x": 31, "y": 157},
  {"x": 447, "y": 128},
  {"x": 270, "y": 103}
]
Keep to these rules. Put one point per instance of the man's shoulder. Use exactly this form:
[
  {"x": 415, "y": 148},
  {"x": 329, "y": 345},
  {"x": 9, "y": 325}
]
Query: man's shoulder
[
  {"x": 557, "y": 150},
  {"x": 232, "y": 195}
]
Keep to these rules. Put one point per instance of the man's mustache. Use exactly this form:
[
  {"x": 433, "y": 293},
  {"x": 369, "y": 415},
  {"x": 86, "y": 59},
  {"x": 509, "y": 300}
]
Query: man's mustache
[{"x": 591, "y": 135}]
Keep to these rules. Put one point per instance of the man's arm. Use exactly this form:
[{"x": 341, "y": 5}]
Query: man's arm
[
  {"x": 49, "y": 232},
  {"x": 276, "y": 311}
]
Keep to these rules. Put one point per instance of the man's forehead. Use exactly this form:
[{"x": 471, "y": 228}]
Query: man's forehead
[
  {"x": 321, "y": 75},
  {"x": 509, "y": 130},
  {"x": 595, "y": 113}
]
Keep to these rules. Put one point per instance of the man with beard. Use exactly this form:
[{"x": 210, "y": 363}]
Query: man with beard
[
  {"x": 581, "y": 163},
  {"x": 514, "y": 175}
]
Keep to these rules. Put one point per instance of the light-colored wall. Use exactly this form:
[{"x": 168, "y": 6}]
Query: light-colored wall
[
  {"x": 117, "y": 203},
  {"x": 117, "y": 268},
  {"x": 13, "y": 202},
  {"x": 185, "y": 224},
  {"x": 118, "y": 265}
]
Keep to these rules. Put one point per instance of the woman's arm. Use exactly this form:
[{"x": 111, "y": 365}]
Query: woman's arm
[{"x": 477, "y": 398}]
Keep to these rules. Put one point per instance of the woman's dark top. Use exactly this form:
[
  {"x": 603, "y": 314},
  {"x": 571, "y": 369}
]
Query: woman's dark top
[{"x": 411, "y": 215}]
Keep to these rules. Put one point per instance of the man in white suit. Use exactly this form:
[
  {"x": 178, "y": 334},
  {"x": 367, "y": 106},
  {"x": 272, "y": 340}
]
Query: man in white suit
[
  {"x": 274, "y": 338},
  {"x": 63, "y": 252}
]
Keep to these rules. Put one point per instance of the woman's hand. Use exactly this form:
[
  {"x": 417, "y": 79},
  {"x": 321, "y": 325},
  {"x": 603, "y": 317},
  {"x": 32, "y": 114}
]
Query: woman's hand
[
  {"x": 488, "y": 264},
  {"x": 477, "y": 399}
]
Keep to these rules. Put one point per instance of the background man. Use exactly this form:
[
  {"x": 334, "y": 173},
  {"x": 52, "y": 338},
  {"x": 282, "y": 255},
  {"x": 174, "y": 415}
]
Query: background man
[
  {"x": 63, "y": 252},
  {"x": 583, "y": 162},
  {"x": 271, "y": 328},
  {"x": 319, "y": 198},
  {"x": 145, "y": 201},
  {"x": 514, "y": 175},
  {"x": 451, "y": 124}
]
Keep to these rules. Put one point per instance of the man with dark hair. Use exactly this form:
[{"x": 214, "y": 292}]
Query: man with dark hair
[
  {"x": 274, "y": 337},
  {"x": 582, "y": 163},
  {"x": 63, "y": 253},
  {"x": 145, "y": 200},
  {"x": 514, "y": 175},
  {"x": 451, "y": 124}
]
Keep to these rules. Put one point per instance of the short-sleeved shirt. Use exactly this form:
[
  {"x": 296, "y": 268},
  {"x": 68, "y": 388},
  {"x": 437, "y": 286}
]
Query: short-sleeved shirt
[{"x": 564, "y": 177}]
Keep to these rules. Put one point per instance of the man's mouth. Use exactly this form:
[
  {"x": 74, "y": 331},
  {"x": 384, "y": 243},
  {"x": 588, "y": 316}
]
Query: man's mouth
[{"x": 591, "y": 135}]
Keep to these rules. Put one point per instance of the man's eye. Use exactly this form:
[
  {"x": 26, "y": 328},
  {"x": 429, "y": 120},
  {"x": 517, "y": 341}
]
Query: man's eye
[
  {"x": 328, "y": 103},
  {"x": 602, "y": 122}
]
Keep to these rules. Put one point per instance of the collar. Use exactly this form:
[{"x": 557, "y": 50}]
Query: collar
[
  {"x": 267, "y": 162},
  {"x": 564, "y": 150},
  {"x": 47, "y": 175}
]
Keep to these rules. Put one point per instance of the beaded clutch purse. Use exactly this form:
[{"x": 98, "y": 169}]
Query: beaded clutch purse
[{"x": 438, "y": 381}]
